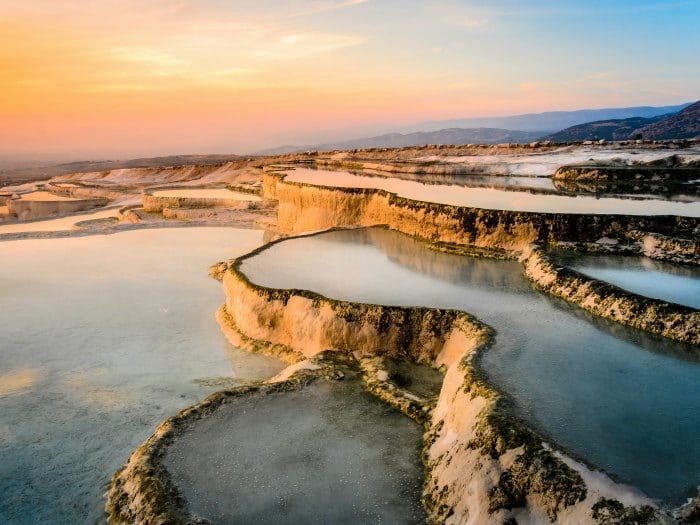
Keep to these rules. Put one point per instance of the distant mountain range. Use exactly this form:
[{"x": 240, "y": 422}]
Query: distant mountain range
[
  {"x": 550, "y": 121},
  {"x": 616, "y": 129},
  {"x": 608, "y": 123},
  {"x": 15, "y": 172},
  {"x": 683, "y": 124},
  {"x": 398, "y": 140}
]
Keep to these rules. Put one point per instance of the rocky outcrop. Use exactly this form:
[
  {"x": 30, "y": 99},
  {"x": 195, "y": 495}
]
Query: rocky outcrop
[
  {"x": 597, "y": 172},
  {"x": 157, "y": 203},
  {"x": 674, "y": 249},
  {"x": 86, "y": 191},
  {"x": 38, "y": 209},
  {"x": 667, "y": 189},
  {"x": 677, "y": 322}
]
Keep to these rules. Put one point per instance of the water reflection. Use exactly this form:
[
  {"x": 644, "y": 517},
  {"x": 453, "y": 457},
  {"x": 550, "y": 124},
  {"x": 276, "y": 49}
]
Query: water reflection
[
  {"x": 107, "y": 336},
  {"x": 499, "y": 199},
  {"x": 661, "y": 280},
  {"x": 618, "y": 397}
]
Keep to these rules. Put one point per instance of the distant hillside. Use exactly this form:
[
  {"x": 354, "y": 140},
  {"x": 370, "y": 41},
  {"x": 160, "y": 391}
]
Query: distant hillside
[
  {"x": 617, "y": 129},
  {"x": 683, "y": 125},
  {"x": 491, "y": 130},
  {"x": 399, "y": 140},
  {"x": 550, "y": 121},
  {"x": 12, "y": 173}
]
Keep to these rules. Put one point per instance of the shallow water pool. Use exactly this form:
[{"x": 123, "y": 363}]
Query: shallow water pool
[
  {"x": 619, "y": 398},
  {"x": 101, "y": 338},
  {"x": 206, "y": 193},
  {"x": 661, "y": 280},
  {"x": 329, "y": 453}
]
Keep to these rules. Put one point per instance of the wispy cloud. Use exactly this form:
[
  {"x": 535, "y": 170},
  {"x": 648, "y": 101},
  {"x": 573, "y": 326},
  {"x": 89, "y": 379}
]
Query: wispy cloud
[
  {"x": 305, "y": 44},
  {"x": 475, "y": 22},
  {"x": 316, "y": 8},
  {"x": 578, "y": 10},
  {"x": 147, "y": 55}
]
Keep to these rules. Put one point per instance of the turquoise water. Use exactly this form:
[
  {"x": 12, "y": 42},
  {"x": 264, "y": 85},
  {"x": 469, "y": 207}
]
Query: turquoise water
[
  {"x": 619, "y": 398},
  {"x": 660, "y": 280},
  {"x": 495, "y": 198},
  {"x": 101, "y": 338}
]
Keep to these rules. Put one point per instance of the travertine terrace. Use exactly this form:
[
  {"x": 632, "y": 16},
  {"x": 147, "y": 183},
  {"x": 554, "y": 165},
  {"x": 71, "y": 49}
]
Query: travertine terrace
[{"x": 482, "y": 463}]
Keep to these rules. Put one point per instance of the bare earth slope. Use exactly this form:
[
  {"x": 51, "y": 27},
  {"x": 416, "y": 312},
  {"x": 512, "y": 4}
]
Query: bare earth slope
[{"x": 683, "y": 125}]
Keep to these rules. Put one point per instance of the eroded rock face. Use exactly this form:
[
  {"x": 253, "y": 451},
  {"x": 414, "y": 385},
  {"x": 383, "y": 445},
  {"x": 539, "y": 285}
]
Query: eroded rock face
[
  {"x": 309, "y": 323},
  {"x": 158, "y": 203},
  {"x": 28, "y": 210}
]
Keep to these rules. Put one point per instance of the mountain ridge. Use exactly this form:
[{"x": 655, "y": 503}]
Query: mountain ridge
[
  {"x": 523, "y": 128},
  {"x": 684, "y": 124}
]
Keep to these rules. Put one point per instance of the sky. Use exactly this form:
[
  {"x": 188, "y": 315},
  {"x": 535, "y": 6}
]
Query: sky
[{"x": 127, "y": 78}]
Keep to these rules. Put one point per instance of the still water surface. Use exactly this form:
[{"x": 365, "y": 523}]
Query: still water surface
[
  {"x": 101, "y": 338},
  {"x": 622, "y": 399},
  {"x": 329, "y": 453},
  {"x": 661, "y": 280}
]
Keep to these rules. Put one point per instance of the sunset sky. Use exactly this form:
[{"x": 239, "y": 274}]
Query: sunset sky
[{"x": 125, "y": 78}]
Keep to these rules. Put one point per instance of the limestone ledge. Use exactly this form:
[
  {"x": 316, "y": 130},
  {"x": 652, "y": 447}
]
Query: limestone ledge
[
  {"x": 482, "y": 465},
  {"x": 674, "y": 321},
  {"x": 306, "y": 207},
  {"x": 86, "y": 191},
  {"x": 143, "y": 492},
  {"x": 406, "y": 167},
  {"x": 665, "y": 247},
  {"x": 250, "y": 188},
  {"x": 156, "y": 204},
  {"x": 29, "y": 210},
  {"x": 641, "y": 189}
]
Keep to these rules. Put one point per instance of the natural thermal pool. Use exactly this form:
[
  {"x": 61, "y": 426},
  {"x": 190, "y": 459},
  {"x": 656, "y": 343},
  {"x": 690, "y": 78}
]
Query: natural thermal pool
[
  {"x": 102, "y": 338},
  {"x": 493, "y": 198},
  {"x": 661, "y": 280},
  {"x": 44, "y": 196},
  {"x": 328, "y": 453},
  {"x": 60, "y": 224},
  {"x": 206, "y": 193},
  {"x": 621, "y": 399}
]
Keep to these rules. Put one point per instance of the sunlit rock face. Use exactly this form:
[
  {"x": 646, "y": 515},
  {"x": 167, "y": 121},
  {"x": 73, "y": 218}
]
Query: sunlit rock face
[
  {"x": 41, "y": 204},
  {"x": 160, "y": 199}
]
